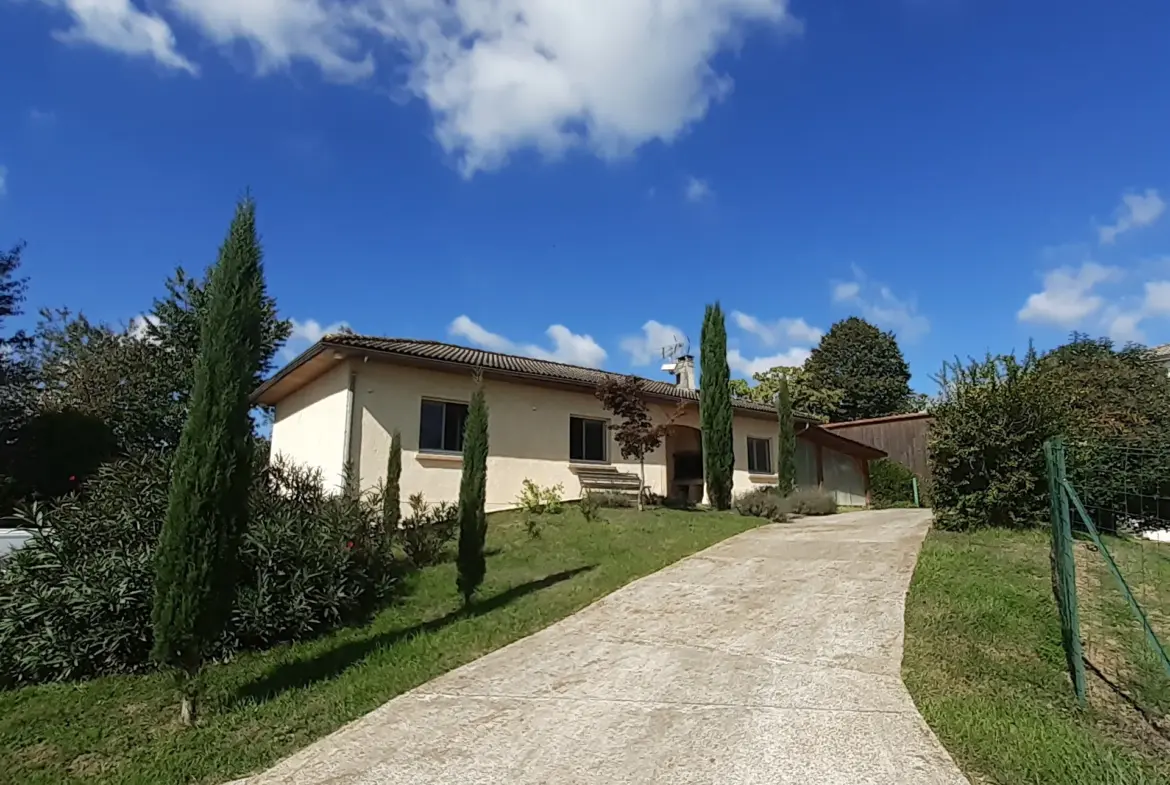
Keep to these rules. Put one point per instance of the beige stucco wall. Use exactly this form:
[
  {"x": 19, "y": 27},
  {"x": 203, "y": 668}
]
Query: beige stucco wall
[
  {"x": 309, "y": 428},
  {"x": 528, "y": 434}
]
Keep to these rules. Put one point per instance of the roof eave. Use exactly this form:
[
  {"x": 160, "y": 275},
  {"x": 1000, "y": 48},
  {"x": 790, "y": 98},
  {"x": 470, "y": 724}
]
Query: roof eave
[
  {"x": 264, "y": 390},
  {"x": 259, "y": 394}
]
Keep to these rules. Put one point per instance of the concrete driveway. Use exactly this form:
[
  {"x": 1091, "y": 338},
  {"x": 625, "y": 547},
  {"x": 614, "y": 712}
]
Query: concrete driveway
[{"x": 772, "y": 657}]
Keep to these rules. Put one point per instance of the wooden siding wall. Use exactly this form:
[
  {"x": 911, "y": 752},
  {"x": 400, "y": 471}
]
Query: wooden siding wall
[{"x": 903, "y": 439}]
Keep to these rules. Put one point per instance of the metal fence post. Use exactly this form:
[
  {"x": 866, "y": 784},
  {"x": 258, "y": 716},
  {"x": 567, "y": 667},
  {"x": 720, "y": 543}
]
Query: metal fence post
[
  {"x": 1064, "y": 571},
  {"x": 917, "y": 503}
]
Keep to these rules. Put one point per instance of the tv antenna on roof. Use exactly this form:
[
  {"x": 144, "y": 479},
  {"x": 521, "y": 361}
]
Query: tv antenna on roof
[{"x": 670, "y": 354}]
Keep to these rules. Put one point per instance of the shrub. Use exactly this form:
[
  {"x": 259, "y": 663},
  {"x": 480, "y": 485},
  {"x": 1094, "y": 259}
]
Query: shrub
[
  {"x": 428, "y": 530},
  {"x": 763, "y": 503},
  {"x": 310, "y": 561},
  {"x": 613, "y": 499},
  {"x": 993, "y": 416},
  {"x": 986, "y": 444},
  {"x": 890, "y": 483},
  {"x": 590, "y": 506},
  {"x": 75, "y": 601},
  {"x": 536, "y": 500},
  {"x": 812, "y": 501}
]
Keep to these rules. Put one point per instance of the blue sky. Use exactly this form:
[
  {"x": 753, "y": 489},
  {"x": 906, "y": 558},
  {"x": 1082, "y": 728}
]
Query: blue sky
[{"x": 577, "y": 178}]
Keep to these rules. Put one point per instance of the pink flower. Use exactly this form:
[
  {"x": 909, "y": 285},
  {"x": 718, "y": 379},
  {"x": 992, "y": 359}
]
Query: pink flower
[
  {"x": 349, "y": 545},
  {"x": 73, "y": 478}
]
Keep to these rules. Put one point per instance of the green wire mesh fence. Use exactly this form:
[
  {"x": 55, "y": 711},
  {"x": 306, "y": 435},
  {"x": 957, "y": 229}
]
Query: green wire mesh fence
[{"x": 1110, "y": 508}]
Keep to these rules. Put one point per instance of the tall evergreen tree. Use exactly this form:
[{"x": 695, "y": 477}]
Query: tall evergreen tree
[
  {"x": 715, "y": 409},
  {"x": 392, "y": 501},
  {"x": 866, "y": 365},
  {"x": 195, "y": 562},
  {"x": 472, "y": 497},
  {"x": 786, "y": 445}
]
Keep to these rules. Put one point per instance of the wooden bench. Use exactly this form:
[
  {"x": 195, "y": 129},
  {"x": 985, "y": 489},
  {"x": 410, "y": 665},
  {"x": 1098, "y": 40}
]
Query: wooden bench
[{"x": 607, "y": 479}]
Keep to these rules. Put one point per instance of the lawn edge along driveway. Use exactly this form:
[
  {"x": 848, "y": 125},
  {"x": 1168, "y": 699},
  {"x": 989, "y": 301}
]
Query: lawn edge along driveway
[
  {"x": 773, "y": 656},
  {"x": 263, "y": 706}
]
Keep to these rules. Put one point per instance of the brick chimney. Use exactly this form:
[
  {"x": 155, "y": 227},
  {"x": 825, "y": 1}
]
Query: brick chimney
[{"x": 684, "y": 372}]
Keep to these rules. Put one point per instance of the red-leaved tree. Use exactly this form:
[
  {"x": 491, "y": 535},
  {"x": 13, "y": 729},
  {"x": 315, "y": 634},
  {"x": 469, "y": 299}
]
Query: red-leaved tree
[{"x": 636, "y": 434}]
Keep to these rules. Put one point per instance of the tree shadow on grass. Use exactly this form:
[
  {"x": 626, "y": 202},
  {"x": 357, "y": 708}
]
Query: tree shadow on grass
[{"x": 332, "y": 662}]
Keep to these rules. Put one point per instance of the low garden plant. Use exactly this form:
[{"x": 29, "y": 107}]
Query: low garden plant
[
  {"x": 768, "y": 503},
  {"x": 763, "y": 503},
  {"x": 812, "y": 501},
  {"x": 427, "y": 531}
]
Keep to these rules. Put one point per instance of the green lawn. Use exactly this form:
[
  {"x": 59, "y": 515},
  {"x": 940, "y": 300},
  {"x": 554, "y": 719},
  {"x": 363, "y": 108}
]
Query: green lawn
[
  {"x": 264, "y": 706},
  {"x": 984, "y": 663}
]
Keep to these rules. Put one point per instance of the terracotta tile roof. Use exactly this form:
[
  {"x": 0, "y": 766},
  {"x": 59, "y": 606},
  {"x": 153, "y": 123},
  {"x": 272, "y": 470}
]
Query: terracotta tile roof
[{"x": 512, "y": 364}]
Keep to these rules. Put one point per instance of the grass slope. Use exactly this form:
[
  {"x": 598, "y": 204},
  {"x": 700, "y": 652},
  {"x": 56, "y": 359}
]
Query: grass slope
[
  {"x": 264, "y": 706},
  {"x": 984, "y": 663}
]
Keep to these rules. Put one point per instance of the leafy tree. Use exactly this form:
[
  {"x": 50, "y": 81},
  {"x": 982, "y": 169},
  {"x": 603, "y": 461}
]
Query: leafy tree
[
  {"x": 808, "y": 398},
  {"x": 16, "y": 376},
  {"x": 471, "y": 562},
  {"x": 206, "y": 516},
  {"x": 15, "y": 370},
  {"x": 739, "y": 388},
  {"x": 392, "y": 498},
  {"x": 138, "y": 380},
  {"x": 715, "y": 413},
  {"x": 636, "y": 433},
  {"x": 786, "y": 445},
  {"x": 97, "y": 371},
  {"x": 866, "y": 365}
]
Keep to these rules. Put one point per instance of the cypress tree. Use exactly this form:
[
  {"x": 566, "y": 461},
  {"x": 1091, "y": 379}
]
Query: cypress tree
[
  {"x": 715, "y": 409},
  {"x": 786, "y": 446},
  {"x": 392, "y": 500},
  {"x": 472, "y": 498},
  {"x": 195, "y": 562}
]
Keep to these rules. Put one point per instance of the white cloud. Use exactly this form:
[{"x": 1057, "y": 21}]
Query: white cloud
[
  {"x": 696, "y": 190},
  {"x": 568, "y": 347},
  {"x": 306, "y": 333},
  {"x": 878, "y": 303},
  {"x": 311, "y": 331},
  {"x": 1068, "y": 295},
  {"x": 123, "y": 27},
  {"x": 1136, "y": 210},
  {"x": 1157, "y": 299},
  {"x": 3, "y": 180},
  {"x": 751, "y": 365},
  {"x": 500, "y": 76},
  {"x": 778, "y": 332},
  {"x": 846, "y": 291},
  {"x": 646, "y": 348},
  {"x": 139, "y": 325},
  {"x": 1123, "y": 323}
]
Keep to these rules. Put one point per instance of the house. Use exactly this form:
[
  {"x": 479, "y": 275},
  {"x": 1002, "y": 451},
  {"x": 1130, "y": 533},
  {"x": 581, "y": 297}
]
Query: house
[{"x": 340, "y": 401}]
